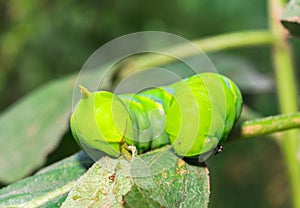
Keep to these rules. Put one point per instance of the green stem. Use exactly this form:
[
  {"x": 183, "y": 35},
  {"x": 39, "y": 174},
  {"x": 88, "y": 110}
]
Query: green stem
[
  {"x": 236, "y": 40},
  {"x": 287, "y": 94},
  {"x": 265, "y": 125},
  {"x": 210, "y": 44}
]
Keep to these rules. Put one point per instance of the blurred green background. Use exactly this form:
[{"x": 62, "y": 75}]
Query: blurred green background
[{"x": 46, "y": 40}]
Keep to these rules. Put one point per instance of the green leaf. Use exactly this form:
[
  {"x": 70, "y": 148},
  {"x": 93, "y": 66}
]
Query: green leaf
[
  {"x": 178, "y": 184},
  {"x": 48, "y": 187},
  {"x": 155, "y": 179},
  {"x": 32, "y": 127},
  {"x": 96, "y": 189},
  {"x": 291, "y": 17}
]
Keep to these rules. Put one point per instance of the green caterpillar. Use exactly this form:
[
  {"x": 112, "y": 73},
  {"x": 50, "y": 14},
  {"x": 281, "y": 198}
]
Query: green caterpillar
[{"x": 194, "y": 115}]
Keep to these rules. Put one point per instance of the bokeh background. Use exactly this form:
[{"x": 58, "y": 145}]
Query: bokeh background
[{"x": 41, "y": 41}]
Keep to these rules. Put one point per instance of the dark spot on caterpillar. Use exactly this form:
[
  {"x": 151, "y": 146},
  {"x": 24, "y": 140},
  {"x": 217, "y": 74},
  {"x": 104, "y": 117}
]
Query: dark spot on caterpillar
[
  {"x": 179, "y": 143},
  {"x": 112, "y": 177}
]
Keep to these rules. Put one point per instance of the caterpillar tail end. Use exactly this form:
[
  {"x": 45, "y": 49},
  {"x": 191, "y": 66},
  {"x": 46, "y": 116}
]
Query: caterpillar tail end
[{"x": 85, "y": 93}]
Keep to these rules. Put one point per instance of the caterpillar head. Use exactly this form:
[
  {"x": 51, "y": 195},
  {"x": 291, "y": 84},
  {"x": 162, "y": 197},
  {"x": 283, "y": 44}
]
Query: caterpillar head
[
  {"x": 203, "y": 112},
  {"x": 236, "y": 96}
]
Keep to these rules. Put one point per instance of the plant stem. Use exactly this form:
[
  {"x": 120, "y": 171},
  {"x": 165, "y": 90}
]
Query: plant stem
[
  {"x": 265, "y": 125},
  {"x": 235, "y": 40},
  {"x": 210, "y": 44},
  {"x": 287, "y": 94}
]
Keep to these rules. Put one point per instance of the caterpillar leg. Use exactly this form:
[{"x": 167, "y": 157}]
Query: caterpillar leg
[
  {"x": 205, "y": 156},
  {"x": 128, "y": 151},
  {"x": 219, "y": 149}
]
